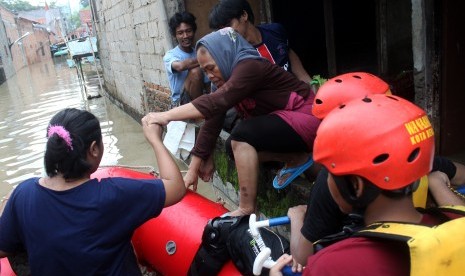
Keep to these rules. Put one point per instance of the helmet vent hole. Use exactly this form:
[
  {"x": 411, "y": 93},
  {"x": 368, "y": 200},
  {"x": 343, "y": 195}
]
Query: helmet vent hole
[
  {"x": 342, "y": 106},
  {"x": 357, "y": 77},
  {"x": 380, "y": 158},
  {"x": 338, "y": 80},
  {"x": 393, "y": 98},
  {"x": 413, "y": 155},
  {"x": 318, "y": 101},
  {"x": 367, "y": 100}
]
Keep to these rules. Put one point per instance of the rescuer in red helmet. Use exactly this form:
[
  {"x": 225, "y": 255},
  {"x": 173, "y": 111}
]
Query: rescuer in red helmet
[{"x": 375, "y": 148}]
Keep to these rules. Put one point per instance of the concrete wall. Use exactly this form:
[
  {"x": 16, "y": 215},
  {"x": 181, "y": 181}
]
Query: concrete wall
[
  {"x": 133, "y": 38},
  {"x": 17, "y": 50},
  {"x": 37, "y": 44},
  {"x": 7, "y": 68},
  {"x": 31, "y": 49}
]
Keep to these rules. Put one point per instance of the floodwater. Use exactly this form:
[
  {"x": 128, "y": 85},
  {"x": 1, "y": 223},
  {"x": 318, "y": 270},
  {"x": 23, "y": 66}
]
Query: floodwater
[{"x": 36, "y": 93}]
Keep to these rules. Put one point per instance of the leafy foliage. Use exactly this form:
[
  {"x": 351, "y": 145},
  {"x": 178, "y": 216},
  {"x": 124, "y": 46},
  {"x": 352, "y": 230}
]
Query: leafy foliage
[
  {"x": 22, "y": 5},
  {"x": 75, "y": 21},
  {"x": 84, "y": 3},
  {"x": 18, "y": 5},
  {"x": 318, "y": 80}
]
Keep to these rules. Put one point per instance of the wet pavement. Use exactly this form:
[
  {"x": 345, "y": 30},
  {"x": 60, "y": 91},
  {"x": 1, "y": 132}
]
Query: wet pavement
[{"x": 36, "y": 93}]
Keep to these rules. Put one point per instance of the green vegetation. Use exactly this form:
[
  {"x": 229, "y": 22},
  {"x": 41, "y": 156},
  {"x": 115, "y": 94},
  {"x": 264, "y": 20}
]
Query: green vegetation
[
  {"x": 317, "y": 79},
  {"x": 18, "y": 5},
  {"x": 84, "y": 3},
  {"x": 74, "y": 21},
  {"x": 21, "y": 5},
  {"x": 226, "y": 168},
  {"x": 274, "y": 203},
  {"x": 271, "y": 202}
]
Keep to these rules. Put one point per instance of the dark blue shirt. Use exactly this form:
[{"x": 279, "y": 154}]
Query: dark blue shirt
[
  {"x": 85, "y": 230},
  {"x": 274, "y": 37}
]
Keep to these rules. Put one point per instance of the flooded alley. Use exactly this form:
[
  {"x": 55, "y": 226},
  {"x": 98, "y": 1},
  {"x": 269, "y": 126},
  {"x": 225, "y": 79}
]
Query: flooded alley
[{"x": 30, "y": 98}]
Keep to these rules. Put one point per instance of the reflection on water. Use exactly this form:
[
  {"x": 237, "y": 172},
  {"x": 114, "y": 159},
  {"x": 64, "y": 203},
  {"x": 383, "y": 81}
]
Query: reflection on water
[{"x": 28, "y": 101}]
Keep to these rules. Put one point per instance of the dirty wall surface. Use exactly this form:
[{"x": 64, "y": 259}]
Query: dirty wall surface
[{"x": 133, "y": 36}]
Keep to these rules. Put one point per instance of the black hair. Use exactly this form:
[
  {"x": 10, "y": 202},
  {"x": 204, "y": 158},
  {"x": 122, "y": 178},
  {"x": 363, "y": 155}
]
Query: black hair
[
  {"x": 70, "y": 160},
  {"x": 182, "y": 17},
  {"x": 226, "y": 10},
  {"x": 370, "y": 192}
]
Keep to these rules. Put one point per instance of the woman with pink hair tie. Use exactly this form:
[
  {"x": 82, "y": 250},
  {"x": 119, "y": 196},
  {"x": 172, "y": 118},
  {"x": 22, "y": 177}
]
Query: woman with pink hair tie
[{"x": 70, "y": 224}]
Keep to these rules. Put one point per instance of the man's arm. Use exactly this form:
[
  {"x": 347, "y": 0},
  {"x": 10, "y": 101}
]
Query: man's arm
[
  {"x": 186, "y": 64},
  {"x": 169, "y": 171},
  {"x": 438, "y": 185},
  {"x": 297, "y": 68},
  {"x": 301, "y": 248}
]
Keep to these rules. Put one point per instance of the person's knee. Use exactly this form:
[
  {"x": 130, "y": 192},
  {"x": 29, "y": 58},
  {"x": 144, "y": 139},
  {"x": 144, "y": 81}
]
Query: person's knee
[
  {"x": 240, "y": 146},
  {"x": 195, "y": 74},
  {"x": 193, "y": 85}
]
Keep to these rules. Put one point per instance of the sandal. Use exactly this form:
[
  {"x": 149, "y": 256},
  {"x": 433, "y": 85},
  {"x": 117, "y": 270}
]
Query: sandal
[{"x": 293, "y": 174}]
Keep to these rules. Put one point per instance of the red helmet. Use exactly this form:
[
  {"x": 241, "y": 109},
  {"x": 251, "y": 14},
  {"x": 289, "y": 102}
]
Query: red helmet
[
  {"x": 343, "y": 88},
  {"x": 385, "y": 139}
]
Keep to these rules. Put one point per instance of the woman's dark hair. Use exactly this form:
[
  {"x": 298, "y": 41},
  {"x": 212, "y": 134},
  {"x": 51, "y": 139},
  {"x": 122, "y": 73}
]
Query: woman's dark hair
[
  {"x": 70, "y": 159},
  {"x": 182, "y": 17},
  {"x": 226, "y": 10}
]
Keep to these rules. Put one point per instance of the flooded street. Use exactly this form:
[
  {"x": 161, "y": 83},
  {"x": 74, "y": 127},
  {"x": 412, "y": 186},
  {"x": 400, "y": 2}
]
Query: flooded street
[{"x": 36, "y": 93}]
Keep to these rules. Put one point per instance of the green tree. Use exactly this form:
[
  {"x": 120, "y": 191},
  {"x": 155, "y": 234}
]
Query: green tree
[
  {"x": 52, "y": 4},
  {"x": 74, "y": 21},
  {"x": 84, "y": 3},
  {"x": 18, "y": 5}
]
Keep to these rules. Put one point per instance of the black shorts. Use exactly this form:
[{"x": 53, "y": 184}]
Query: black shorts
[
  {"x": 267, "y": 133},
  {"x": 444, "y": 165}
]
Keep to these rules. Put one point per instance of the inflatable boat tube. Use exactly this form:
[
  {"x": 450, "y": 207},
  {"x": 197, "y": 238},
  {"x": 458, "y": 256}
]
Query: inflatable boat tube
[{"x": 168, "y": 243}]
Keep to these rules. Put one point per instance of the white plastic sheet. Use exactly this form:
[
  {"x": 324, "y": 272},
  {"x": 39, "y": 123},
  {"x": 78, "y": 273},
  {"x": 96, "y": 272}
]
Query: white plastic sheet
[{"x": 180, "y": 139}]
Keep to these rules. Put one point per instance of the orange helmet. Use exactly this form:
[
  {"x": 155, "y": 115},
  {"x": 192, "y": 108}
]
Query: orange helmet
[
  {"x": 343, "y": 88},
  {"x": 385, "y": 139}
]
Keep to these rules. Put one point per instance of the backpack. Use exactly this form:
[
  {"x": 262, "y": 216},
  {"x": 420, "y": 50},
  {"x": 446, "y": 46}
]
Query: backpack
[
  {"x": 228, "y": 238},
  {"x": 213, "y": 252},
  {"x": 243, "y": 248},
  {"x": 437, "y": 250}
]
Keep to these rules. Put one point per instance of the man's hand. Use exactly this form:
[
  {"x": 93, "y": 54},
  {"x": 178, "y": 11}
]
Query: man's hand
[
  {"x": 191, "y": 179},
  {"x": 156, "y": 118},
  {"x": 297, "y": 213},
  {"x": 284, "y": 260},
  {"x": 152, "y": 132},
  {"x": 207, "y": 169}
]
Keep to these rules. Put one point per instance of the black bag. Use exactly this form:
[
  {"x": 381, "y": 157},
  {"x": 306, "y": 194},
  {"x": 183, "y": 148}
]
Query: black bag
[
  {"x": 213, "y": 252},
  {"x": 243, "y": 248},
  {"x": 227, "y": 238}
]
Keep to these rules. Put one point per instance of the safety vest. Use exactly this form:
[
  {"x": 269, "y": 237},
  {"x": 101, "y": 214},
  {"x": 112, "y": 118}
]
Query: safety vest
[{"x": 437, "y": 250}]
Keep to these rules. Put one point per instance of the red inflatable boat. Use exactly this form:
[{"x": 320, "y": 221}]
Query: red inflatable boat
[{"x": 168, "y": 243}]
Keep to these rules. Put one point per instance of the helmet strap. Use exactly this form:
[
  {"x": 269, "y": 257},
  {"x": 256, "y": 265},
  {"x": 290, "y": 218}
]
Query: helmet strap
[{"x": 406, "y": 191}]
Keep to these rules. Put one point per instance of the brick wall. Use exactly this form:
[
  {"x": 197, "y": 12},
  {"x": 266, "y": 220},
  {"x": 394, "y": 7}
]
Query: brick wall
[
  {"x": 133, "y": 38},
  {"x": 12, "y": 34},
  {"x": 37, "y": 45}
]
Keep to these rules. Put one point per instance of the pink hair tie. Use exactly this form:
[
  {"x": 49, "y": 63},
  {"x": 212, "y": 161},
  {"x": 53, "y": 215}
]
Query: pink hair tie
[{"x": 62, "y": 133}]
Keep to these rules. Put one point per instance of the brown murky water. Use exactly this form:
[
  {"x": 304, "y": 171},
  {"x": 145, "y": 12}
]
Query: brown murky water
[{"x": 28, "y": 101}]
